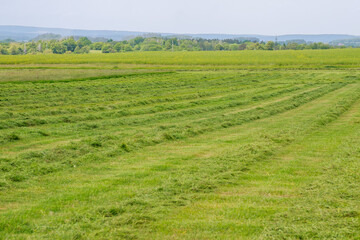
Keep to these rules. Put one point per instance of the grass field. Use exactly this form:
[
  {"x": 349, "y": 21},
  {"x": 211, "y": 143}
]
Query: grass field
[{"x": 186, "y": 145}]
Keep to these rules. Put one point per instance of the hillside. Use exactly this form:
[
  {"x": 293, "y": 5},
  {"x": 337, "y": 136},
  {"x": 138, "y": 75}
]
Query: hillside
[
  {"x": 353, "y": 42},
  {"x": 22, "y": 33}
]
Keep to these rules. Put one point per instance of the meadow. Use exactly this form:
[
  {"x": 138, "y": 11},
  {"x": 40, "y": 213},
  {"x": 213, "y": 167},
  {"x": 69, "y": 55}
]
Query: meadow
[{"x": 181, "y": 145}]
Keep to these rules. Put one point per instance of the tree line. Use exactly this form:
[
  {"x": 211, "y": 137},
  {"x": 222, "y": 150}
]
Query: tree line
[{"x": 84, "y": 45}]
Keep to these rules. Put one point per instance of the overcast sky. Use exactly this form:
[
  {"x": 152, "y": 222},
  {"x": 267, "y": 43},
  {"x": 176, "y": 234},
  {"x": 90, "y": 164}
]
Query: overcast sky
[{"x": 272, "y": 17}]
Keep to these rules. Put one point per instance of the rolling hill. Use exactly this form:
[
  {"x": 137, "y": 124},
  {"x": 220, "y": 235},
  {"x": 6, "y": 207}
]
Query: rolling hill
[{"x": 24, "y": 33}]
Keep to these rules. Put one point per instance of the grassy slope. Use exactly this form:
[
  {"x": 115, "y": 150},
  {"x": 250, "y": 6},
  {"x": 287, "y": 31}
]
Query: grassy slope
[{"x": 204, "y": 154}]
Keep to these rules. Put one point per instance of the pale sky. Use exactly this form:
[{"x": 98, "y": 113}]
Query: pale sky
[{"x": 271, "y": 17}]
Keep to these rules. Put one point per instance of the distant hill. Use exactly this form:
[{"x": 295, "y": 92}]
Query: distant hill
[
  {"x": 22, "y": 33},
  {"x": 298, "y": 41},
  {"x": 47, "y": 36},
  {"x": 352, "y": 42},
  {"x": 51, "y": 36},
  {"x": 7, "y": 40},
  {"x": 325, "y": 38},
  {"x": 93, "y": 39}
]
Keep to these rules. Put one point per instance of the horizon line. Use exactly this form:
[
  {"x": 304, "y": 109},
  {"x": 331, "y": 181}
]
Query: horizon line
[{"x": 213, "y": 33}]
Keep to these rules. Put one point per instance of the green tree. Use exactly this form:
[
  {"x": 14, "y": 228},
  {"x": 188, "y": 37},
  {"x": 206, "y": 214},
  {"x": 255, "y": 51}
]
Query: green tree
[
  {"x": 242, "y": 46},
  {"x": 83, "y": 41},
  {"x": 118, "y": 47},
  {"x": 292, "y": 46},
  {"x": 14, "y": 49},
  {"x": 85, "y": 49},
  {"x": 3, "y": 51},
  {"x": 234, "y": 47},
  {"x": 107, "y": 48},
  {"x": 258, "y": 46},
  {"x": 168, "y": 45},
  {"x": 270, "y": 45},
  {"x": 70, "y": 44},
  {"x": 127, "y": 48},
  {"x": 151, "y": 47},
  {"x": 250, "y": 46},
  {"x": 58, "y": 48},
  {"x": 97, "y": 46},
  {"x": 77, "y": 50},
  {"x": 219, "y": 47},
  {"x": 137, "y": 41}
]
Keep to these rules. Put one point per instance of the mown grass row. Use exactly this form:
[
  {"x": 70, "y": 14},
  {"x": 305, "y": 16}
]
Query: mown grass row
[
  {"x": 88, "y": 78},
  {"x": 175, "y": 82},
  {"x": 36, "y": 163},
  {"x": 280, "y": 196},
  {"x": 328, "y": 206},
  {"x": 131, "y": 125},
  {"x": 121, "y": 103},
  {"x": 78, "y": 129},
  {"x": 108, "y": 90},
  {"x": 166, "y": 103},
  {"x": 126, "y": 105},
  {"x": 134, "y": 211},
  {"x": 37, "y": 96},
  {"x": 193, "y": 107}
]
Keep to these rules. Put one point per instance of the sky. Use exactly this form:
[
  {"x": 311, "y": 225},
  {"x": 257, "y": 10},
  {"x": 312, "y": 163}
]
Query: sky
[{"x": 268, "y": 17}]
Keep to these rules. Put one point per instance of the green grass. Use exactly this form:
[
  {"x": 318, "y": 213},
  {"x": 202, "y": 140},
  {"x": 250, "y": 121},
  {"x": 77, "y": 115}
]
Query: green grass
[
  {"x": 329, "y": 59},
  {"x": 214, "y": 145}
]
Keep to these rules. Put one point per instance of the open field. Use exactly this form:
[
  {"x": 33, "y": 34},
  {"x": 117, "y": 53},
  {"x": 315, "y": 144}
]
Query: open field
[
  {"x": 186, "y": 145},
  {"x": 336, "y": 58}
]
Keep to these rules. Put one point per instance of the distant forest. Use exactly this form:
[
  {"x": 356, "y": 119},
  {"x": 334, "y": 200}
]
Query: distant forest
[{"x": 81, "y": 45}]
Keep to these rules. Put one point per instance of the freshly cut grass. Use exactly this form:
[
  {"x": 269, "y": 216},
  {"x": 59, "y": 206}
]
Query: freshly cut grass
[{"x": 200, "y": 145}]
